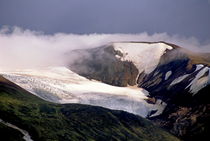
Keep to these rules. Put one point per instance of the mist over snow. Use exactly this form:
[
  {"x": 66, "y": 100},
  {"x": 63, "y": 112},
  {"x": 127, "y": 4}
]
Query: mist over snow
[{"x": 20, "y": 48}]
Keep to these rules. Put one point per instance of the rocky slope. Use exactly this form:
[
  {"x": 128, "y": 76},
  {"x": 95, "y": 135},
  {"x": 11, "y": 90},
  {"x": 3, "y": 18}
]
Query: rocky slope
[
  {"x": 170, "y": 73},
  {"x": 182, "y": 80},
  {"x": 45, "y": 121},
  {"x": 117, "y": 63},
  {"x": 103, "y": 65}
]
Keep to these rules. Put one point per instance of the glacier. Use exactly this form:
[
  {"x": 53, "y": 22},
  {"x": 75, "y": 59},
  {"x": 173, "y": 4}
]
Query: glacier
[{"x": 61, "y": 85}]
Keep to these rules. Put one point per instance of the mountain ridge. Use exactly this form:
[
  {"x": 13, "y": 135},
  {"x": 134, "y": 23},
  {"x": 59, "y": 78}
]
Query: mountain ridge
[{"x": 179, "y": 79}]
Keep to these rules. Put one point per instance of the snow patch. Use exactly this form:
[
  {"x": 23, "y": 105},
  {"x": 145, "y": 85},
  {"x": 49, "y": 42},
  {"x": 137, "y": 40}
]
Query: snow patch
[
  {"x": 199, "y": 82},
  {"x": 159, "y": 106},
  {"x": 144, "y": 56},
  {"x": 168, "y": 74},
  {"x": 179, "y": 79},
  {"x": 199, "y": 66}
]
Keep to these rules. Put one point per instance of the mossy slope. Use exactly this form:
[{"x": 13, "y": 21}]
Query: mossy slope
[{"x": 51, "y": 122}]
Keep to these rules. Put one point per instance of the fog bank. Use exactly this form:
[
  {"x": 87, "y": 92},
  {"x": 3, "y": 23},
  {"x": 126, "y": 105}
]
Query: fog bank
[{"x": 21, "y": 48}]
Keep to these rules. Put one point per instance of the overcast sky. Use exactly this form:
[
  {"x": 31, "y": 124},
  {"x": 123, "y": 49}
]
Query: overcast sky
[{"x": 183, "y": 17}]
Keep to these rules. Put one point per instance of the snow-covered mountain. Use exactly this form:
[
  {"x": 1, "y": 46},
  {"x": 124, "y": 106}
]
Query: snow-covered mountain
[
  {"x": 177, "y": 76},
  {"x": 60, "y": 85},
  {"x": 145, "y": 64}
]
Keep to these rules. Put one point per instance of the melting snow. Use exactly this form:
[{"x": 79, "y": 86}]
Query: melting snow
[
  {"x": 161, "y": 106},
  {"x": 199, "y": 82}
]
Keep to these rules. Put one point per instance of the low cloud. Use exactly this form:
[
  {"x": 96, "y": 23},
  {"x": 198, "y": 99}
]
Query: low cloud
[{"x": 27, "y": 49}]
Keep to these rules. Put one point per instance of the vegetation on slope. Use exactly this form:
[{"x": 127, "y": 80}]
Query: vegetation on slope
[{"x": 46, "y": 121}]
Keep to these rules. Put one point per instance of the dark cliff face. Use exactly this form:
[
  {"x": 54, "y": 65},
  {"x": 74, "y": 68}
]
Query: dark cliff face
[
  {"x": 170, "y": 80},
  {"x": 191, "y": 121},
  {"x": 172, "y": 65},
  {"x": 101, "y": 64},
  {"x": 186, "y": 115}
]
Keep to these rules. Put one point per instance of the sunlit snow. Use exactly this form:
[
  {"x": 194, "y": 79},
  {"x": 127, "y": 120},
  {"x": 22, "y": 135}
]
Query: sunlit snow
[
  {"x": 144, "y": 56},
  {"x": 61, "y": 85}
]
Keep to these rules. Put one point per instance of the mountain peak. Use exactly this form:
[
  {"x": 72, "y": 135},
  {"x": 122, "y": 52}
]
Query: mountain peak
[{"x": 144, "y": 55}]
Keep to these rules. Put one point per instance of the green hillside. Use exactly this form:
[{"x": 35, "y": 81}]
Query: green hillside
[{"x": 46, "y": 121}]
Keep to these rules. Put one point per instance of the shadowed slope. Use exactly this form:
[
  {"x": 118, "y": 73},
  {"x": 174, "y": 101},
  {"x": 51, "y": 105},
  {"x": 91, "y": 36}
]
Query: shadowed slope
[{"x": 47, "y": 121}]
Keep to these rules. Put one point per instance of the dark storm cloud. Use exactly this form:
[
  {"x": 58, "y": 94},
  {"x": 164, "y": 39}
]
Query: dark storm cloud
[{"x": 182, "y": 17}]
